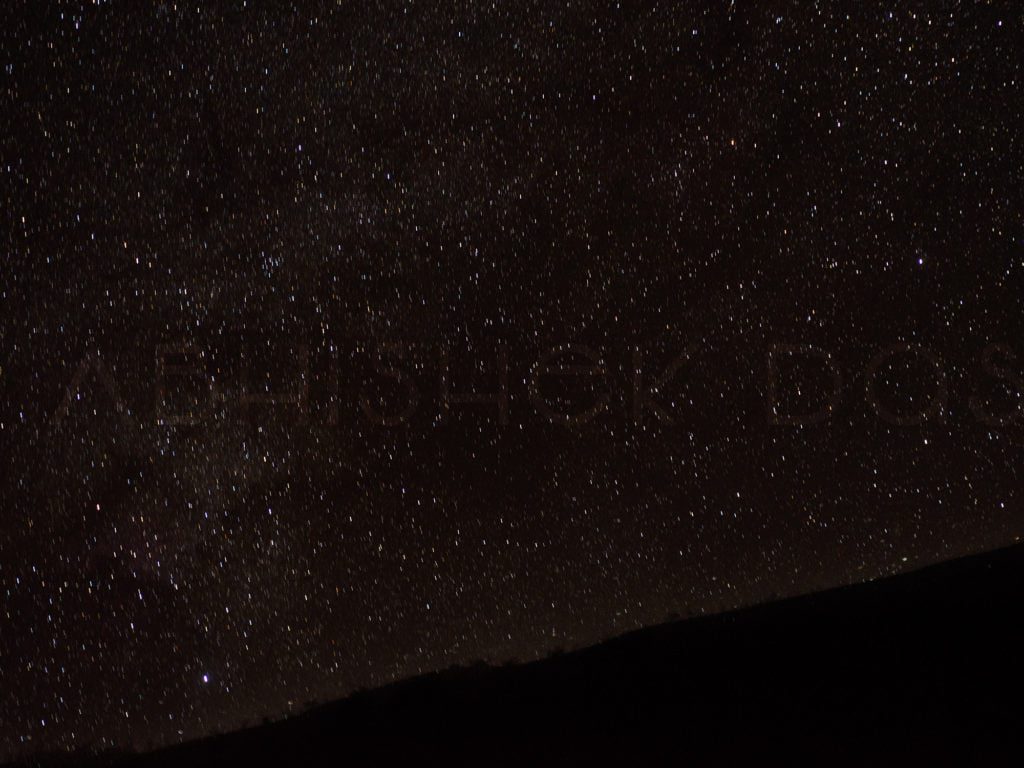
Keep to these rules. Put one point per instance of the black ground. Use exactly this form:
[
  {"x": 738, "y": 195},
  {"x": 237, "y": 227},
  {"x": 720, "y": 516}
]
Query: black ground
[{"x": 918, "y": 669}]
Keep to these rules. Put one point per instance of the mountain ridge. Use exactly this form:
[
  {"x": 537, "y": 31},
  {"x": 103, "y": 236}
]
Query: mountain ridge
[{"x": 914, "y": 667}]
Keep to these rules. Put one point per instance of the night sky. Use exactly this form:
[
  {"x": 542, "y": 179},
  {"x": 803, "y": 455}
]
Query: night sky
[{"x": 259, "y": 258}]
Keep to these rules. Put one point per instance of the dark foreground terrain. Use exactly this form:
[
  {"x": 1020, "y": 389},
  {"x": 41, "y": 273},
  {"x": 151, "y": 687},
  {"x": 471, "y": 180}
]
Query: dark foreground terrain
[{"x": 920, "y": 669}]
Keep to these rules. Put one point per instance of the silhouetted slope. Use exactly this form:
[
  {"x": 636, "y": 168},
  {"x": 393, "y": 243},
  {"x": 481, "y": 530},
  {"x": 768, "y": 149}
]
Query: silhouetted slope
[{"x": 923, "y": 668}]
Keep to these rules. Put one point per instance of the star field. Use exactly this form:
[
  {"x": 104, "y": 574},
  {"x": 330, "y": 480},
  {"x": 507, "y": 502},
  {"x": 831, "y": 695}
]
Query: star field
[{"x": 345, "y": 342}]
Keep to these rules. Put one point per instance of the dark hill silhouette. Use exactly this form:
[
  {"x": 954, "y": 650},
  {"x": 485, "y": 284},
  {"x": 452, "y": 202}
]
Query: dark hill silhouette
[{"x": 922, "y": 669}]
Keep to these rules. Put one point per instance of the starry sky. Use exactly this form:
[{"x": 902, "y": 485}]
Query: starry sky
[{"x": 342, "y": 342}]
